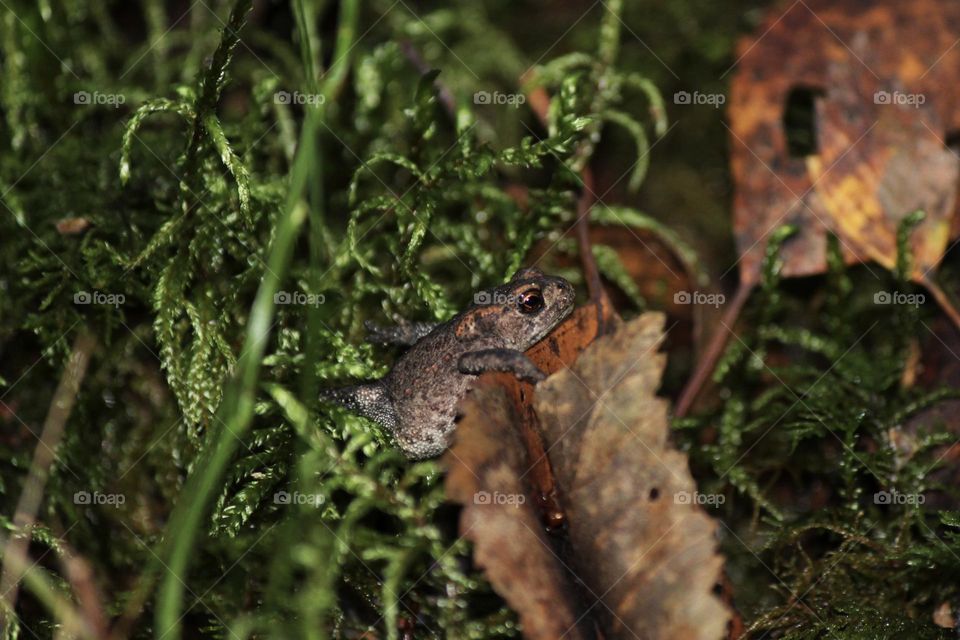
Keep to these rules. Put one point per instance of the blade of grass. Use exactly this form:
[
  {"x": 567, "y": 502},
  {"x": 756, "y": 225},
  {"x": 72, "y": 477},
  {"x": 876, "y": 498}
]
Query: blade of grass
[
  {"x": 238, "y": 401},
  {"x": 237, "y": 406},
  {"x": 318, "y": 234},
  {"x": 320, "y": 242}
]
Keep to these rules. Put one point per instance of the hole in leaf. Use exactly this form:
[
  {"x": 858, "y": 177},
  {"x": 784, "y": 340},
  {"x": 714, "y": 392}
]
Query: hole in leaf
[
  {"x": 800, "y": 121},
  {"x": 952, "y": 141},
  {"x": 654, "y": 494}
]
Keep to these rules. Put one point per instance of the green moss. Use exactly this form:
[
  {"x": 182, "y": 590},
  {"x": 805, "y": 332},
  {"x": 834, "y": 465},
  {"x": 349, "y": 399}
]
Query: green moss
[
  {"x": 224, "y": 171},
  {"x": 339, "y": 155},
  {"x": 831, "y": 487}
]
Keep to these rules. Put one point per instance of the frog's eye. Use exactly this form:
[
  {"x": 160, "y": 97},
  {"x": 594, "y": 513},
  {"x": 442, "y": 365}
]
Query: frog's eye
[{"x": 530, "y": 301}]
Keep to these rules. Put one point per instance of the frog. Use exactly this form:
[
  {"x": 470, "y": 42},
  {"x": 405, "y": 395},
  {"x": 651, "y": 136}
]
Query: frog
[{"x": 417, "y": 400}]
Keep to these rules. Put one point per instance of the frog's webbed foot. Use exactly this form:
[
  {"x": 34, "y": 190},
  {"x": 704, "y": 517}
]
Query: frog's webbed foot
[
  {"x": 404, "y": 334},
  {"x": 508, "y": 360}
]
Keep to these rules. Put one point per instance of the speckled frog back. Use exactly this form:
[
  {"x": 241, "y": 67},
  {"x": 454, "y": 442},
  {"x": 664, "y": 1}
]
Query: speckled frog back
[{"x": 426, "y": 385}]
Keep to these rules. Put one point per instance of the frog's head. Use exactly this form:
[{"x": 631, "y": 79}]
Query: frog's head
[{"x": 521, "y": 311}]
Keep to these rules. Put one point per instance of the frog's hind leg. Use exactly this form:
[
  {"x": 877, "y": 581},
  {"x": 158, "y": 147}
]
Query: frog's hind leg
[{"x": 370, "y": 400}]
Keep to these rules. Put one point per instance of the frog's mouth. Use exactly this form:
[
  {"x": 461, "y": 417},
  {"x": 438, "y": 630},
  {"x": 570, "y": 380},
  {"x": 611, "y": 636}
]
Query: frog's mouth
[{"x": 566, "y": 300}]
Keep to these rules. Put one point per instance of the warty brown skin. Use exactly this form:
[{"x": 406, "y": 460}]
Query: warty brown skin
[{"x": 417, "y": 401}]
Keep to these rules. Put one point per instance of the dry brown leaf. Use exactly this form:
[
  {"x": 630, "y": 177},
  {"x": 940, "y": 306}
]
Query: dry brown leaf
[
  {"x": 72, "y": 226},
  {"x": 878, "y": 163},
  {"x": 646, "y": 565},
  {"x": 883, "y": 114},
  {"x": 486, "y": 469},
  {"x": 639, "y": 543},
  {"x": 943, "y": 616},
  {"x": 568, "y": 340}
]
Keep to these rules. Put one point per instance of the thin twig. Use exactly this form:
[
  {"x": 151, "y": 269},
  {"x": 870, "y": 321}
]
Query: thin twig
[
  {"x": 598, "y": 295},
  {"x": 49, "y": 595},
  {"x": 718, "y": 342},
  {"x": 81, "y": 577},
  {"x": 539, "y": 103},
  {"x": 943, "y": 300},
  {"x": 15, "y": 553}
]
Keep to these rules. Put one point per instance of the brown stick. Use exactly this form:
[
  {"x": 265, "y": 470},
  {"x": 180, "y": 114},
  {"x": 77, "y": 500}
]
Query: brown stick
[
  {"x": 539, "y": 103},
  {"x": 82, "y": 580},
  {"x": 15, "y": 554},
  {"x": 598, "y": 295},
  {"x": 943, "y": 300},
  {"x": 70, "y": 619},
  {"x": 718, "y": 342}
]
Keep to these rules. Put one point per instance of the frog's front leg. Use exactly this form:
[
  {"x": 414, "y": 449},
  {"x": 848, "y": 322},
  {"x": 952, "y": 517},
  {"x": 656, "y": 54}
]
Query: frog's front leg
[
  {"x": 508, "y": 360},
  {"x": 404, "y": 334}
]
